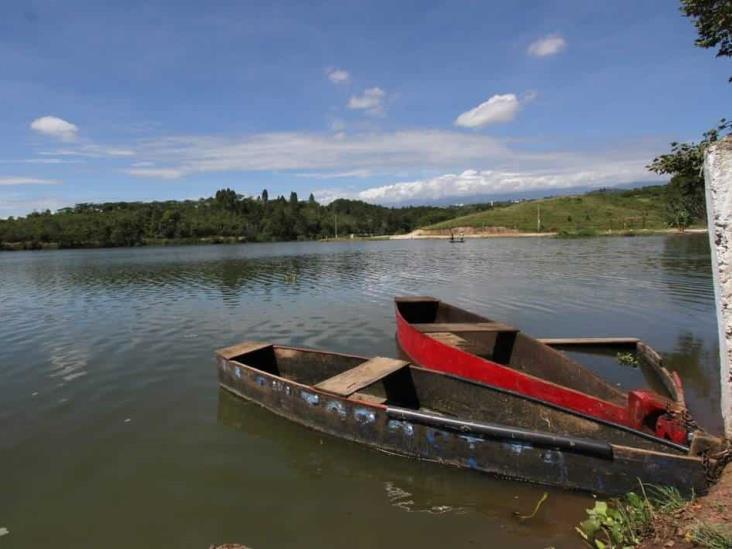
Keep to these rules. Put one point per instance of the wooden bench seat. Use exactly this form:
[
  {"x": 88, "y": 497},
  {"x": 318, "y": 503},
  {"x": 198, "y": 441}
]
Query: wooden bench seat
[
  {"x": 367, "y": 398},
  {"x": 369, "y": 372},
  {"x": 463, "y": 327}
]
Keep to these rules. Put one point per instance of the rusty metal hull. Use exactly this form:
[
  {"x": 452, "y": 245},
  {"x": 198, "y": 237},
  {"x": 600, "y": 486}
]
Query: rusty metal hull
[{"x": 545, "y": 458}]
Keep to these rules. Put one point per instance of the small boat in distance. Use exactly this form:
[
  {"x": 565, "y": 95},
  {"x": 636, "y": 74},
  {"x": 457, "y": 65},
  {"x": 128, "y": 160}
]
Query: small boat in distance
[
  {"x": 400, "y": 408},
  {"x": 445, "y": 338},
  {"x": 457, "y": 240}
]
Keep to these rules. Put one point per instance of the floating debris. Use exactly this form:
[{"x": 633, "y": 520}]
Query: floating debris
[
  {"x": 4, "y": 531},
  {"x": 536, "y": 509},
  {"x": 627, "y": 359}
]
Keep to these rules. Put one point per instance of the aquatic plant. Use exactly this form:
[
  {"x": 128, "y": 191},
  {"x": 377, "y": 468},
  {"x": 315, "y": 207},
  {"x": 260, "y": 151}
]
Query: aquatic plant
[
  {"x": 624, "y": 522},
  {"x": 627, "y": 359}
]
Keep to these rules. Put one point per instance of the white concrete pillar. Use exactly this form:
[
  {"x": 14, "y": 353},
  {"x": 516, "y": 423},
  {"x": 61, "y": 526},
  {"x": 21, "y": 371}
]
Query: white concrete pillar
[{"x": 718, "y": 183}]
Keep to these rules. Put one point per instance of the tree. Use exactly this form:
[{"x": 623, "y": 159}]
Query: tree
[
  {"x": 686, "y": 160},
  {"x": 293, "y": 198},
  {"x": 311, "y": 199},
  {"x": 684, "y": 201},
  {"x": 227, "y": 199},
  {"x": 713, "y": 22},
  {"x": 265, "y": 197}
]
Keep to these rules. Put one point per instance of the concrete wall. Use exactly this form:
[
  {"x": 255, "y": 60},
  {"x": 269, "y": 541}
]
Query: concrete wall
[{"x": 718, "y": 178}]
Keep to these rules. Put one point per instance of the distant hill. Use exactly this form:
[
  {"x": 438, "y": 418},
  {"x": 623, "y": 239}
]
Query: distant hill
[{"x": 601, "y": 210}]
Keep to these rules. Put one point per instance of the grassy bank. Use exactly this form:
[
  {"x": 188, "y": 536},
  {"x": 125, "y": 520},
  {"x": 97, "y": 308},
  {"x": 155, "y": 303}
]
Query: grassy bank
[
  {"x": 592, "y": 213},
  {"x": 661, "y": 517}
]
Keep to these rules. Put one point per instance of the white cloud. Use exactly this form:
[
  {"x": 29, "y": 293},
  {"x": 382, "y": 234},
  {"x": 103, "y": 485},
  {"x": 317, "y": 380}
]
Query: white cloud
[
  {"x": 549, "y": 45},
  {"x": 471, "y": 183},
  {"x": 341, "y": 152},
  {"x": 499, "y": 108},
  {"x": 371, "y": 101},
  {"x": 14, "y": 180},
  {"x": 52, "y": 161},
  {"x": 336, "y": 175},
  {"x": 92, "y": 151},
  {"x": 338, "y": 76},
  {"x": 157, "y": 173},
  {"x": 55, "y": 127},
  {"x": 41, "y": 161}
]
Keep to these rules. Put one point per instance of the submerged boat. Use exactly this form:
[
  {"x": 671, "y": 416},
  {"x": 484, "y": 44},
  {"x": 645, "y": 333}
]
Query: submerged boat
[
  {"x": 400, "y": 408},
  {"x": 448, "y": 339}
]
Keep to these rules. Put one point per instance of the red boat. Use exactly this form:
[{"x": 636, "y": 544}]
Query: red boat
[{"x": 448, "y": 339}]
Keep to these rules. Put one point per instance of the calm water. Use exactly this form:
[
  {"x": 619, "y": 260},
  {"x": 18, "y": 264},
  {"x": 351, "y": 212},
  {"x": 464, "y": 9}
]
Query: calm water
[{"x": 114, "y": 433}]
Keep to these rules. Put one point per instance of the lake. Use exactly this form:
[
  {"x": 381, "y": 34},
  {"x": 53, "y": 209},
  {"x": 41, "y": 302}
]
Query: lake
[{"x": 115, "y": 434}]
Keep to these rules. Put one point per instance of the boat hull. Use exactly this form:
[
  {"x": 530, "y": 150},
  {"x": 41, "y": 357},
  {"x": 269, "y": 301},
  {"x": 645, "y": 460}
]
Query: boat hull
[
  {"x": 634, "y": 410},
  {"x": 515, "y": 454}
]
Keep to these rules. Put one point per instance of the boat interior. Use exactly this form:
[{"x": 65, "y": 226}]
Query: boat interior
[
  {"x": 397, "y": 383},
  {"x": 503, "y": 344}
]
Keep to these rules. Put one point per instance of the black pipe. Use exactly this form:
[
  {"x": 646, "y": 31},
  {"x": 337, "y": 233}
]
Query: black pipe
[{"x": 572, "y": 444}]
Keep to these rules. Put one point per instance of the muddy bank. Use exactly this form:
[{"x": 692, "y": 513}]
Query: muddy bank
[{"x": 703, "y": 522}]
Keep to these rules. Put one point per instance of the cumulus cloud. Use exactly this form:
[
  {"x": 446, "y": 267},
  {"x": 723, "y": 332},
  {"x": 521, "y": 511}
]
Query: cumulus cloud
[
  {"x": 53, "y": 126},
  {"x": 338, "y": 76},
  {"x": 370, "y": 101},
  {"x": 498, "y": 108},
  {"x": 548, "y": 45},
  {"x": 471, "y": 183},
  {"x": 15, "y": 180}
]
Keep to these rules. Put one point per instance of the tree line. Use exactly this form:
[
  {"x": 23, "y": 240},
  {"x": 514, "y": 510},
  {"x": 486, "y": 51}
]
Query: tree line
[{"x": 227, "y": 216}]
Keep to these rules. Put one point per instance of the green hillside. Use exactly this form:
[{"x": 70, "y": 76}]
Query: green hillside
[{"x": 595, "y": 211}]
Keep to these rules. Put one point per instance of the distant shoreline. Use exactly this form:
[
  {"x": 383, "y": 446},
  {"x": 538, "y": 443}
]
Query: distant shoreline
[
  {"x": 414, "y": 235},
  {"x": 422, "y": 234}
]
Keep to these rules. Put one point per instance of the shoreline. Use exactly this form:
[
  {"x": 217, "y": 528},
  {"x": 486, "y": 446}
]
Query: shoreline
[
  {"x": 418, "y": 234},
  {"x": 423, "y": 234}
]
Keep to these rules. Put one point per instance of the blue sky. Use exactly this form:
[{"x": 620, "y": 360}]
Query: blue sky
[{"x": 393, "y": 102}]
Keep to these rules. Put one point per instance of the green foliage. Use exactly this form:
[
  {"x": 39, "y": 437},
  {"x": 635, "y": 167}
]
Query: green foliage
[
  {"x": 586, "y": 215},
  {"x": 625, "y": 522},
  {"x": 685, "y": 201},
  {"x": 227, "y": 216},
  {"x": 627, "y": 359},
  {"x": 688, "y": 158},
  {"x": 713, "y": 22}
]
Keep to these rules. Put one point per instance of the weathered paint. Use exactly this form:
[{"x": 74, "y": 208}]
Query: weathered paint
[
  {"x": 336, "y": 407},
  {"x": 442, "y": 357},
  {"x": 504, "y": 458},
  {"x": 310, "y": 398},
  {"x": 364, "y": 415},
  {"x": 718, "y": 180}
]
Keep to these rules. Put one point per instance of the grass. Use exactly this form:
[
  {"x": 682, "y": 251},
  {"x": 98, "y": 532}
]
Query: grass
[
  {"x": 583, "y": 215},
  {"x": 634, "y": 518},
  {"x": 626, "y": 521},
  {"x": 712, "y": 537}
]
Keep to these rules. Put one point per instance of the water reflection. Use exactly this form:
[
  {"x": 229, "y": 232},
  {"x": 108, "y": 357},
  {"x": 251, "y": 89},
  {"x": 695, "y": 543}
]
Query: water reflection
[{"x": 405, "y": 484}]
